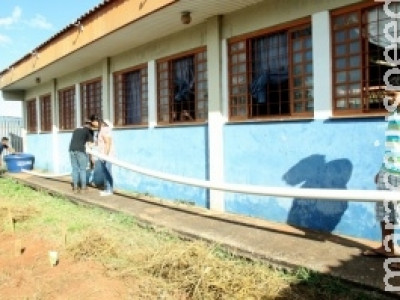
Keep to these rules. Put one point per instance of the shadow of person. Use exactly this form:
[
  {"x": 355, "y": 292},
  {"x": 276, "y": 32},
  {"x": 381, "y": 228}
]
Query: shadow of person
[{"x": 315, "y": 172}]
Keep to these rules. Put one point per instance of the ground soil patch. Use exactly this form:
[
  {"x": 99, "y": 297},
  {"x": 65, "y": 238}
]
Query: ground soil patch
[{"x": 29, "y": 274}]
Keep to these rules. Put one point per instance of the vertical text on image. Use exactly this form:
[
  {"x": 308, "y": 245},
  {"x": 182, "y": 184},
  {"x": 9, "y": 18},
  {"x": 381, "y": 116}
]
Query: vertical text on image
[{"x": 390, "y": 30}]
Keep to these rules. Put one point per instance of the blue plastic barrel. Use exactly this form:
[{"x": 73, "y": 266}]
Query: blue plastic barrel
[{"x": 17, "y": 162}]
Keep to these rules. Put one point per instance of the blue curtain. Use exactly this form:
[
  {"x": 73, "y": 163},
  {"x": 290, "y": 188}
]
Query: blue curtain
[
  {"x": 270, "y": 64},
  {"x": 133, "y": 89},
  {"x": 184, "y": 79}
]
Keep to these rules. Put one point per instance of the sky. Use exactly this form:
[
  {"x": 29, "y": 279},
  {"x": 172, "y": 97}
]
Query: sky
[{"x": 26, "y": 24}]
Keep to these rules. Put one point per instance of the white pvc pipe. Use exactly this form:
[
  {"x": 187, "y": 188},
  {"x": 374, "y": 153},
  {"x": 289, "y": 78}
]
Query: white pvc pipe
[{"x": 308, "y": 193}]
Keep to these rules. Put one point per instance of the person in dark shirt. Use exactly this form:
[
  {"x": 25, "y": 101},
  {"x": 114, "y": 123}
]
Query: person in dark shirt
[
  {"x": 77, "y": 150},
  {"x": 4, "y": 145}
]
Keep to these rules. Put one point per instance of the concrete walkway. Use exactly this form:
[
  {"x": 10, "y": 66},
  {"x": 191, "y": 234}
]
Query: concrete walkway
[{"x": 277, "y": 243}]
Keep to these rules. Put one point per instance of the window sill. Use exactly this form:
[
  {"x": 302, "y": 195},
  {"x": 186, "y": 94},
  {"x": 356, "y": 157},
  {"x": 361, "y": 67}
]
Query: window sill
[
  {"x": 127, "y": 127},
  {"x": 39, "y": 132},
  {"x": 309, "y": 118},
  {"x": 272, "y": 120},
  {"x": 358, "y": 116},
  {"x": 181, "y": 124}
]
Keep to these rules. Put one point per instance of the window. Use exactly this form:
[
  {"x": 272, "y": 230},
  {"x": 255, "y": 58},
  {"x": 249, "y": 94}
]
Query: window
[
  {"x": 66, "y": 108},
  {"x": 31, "y": 116},
  {"x": 91, "y": 99},
  {"x": 271, "y": 75},
  {"x": 359, "y": 64},
  {"x": 45, "y": 113},
  {"x": 131, "y": 97},
  {"x": 182, "y": 88}
]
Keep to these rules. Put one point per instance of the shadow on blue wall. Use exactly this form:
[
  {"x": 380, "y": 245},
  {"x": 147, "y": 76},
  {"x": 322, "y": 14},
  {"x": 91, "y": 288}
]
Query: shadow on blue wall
[{"x": 315, "y": 172}]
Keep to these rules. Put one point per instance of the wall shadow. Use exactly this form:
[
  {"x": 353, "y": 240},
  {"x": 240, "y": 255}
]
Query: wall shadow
[{"x": 315, "y": 172}]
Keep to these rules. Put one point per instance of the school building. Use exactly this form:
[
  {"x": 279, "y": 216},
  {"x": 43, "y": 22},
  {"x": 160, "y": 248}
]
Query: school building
[{"x": 282, "y": 93}]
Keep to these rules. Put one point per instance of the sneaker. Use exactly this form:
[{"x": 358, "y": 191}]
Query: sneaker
[{"x": 105, "y": 193}]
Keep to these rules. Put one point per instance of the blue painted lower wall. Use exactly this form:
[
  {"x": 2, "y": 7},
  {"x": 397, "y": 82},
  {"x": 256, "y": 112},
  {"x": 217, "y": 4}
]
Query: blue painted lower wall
[
  {"x": 41, "y": 146},
  {"x": 343, "y": 154},
  {"x": 180, "y": 150}
]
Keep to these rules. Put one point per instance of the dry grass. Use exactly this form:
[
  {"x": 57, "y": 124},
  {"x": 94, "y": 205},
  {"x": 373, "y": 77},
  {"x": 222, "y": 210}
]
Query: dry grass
[
  {"x": 201, "y": 274},
  {"x": 93, "y": 246},
  {"x": 19, "y": 214},
  {"x": 165, "y": 266},
  {"x": 196, "y": 269}
]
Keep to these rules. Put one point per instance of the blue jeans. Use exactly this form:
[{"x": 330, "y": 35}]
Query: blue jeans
[
  {"x": 79, "y": 161},
  {"x": 108, "y": 180}
]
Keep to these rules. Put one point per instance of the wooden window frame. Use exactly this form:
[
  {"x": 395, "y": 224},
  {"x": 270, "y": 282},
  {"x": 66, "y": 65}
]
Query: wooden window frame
[
  {"x": 66, "y": 108},
  {"x": 91, "y": 104},
  {"x": 46, "y": 121},
  {"x": 366, "y": 90},
  {"x": 243, "y": 99},
  {"x": 165, "y": 87},
  {"x": 31, "y": 116},
  {"x": 120, "y": 103}
]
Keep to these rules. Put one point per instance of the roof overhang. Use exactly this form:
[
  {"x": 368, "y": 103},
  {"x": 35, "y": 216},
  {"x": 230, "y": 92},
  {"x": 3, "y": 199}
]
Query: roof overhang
[{"x": 110, "y": 28}]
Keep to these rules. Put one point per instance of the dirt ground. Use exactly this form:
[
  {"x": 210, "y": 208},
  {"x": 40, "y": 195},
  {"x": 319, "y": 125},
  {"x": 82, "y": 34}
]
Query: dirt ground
[{"x": 26, "y": 273}]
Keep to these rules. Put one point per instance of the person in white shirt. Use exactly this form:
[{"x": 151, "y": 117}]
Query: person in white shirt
[{"x": 106, "y": 147}]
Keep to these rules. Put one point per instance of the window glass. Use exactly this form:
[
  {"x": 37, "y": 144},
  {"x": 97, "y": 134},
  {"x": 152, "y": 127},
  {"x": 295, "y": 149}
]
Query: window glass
[
  {"x": 66, "y": 107},
  {"x": 359, "y": 43},
  {"x": 183, "y": 88},
  {"x": 132, "y": 97},
  {"x": 263, "y": 86},
  {"x": 31, "y": 116},
  {"x": 91, "y": 99},
  {"x": 45, "y": 113}
]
